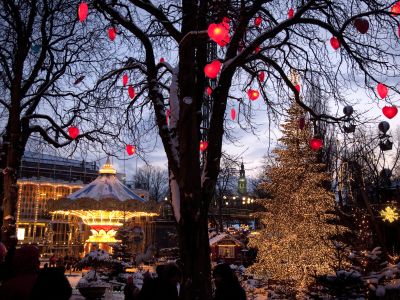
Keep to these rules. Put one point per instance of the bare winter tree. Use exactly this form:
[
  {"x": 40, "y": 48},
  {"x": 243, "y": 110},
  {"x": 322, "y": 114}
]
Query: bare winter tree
[
  {"x": 45, "y": 55},
  {"x": 174, "y": 88},
  {"x": 153, "y": 179}
]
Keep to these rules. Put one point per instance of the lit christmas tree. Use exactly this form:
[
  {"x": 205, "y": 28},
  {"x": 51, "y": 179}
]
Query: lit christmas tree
[{"x": 295, "y": 242}]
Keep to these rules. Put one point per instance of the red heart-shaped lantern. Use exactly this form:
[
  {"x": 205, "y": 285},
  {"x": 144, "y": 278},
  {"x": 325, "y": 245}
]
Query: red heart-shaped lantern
[
  {"x": 131, "y": 92},
  {"x": 298, "y": 88},
  {"x": 335, "y": 43},
  {"x": 203, "y": 145},
  {"x": 112, "y": 33},
  {"x": 209, "y": 91},
  {"x": 316, "y": 144},
  {"x": 361, "y": 25},
  {"x": 253, "y": 94},
  {"x": 395, "y": 10},
  {"x": 83, "y": 11},
  {"x": 389, "y": 111},
  {"x": 130, "y": 149},
  {"x": 257, "y": 21},
  {"x": 233, "y": 114},
  {"x": 212, "y": 69},
  {"x": 124, "y": 80},
  {"x": 73, "y": 132},
  {"x": 261, "y": 76},
  {"x": 290, "y": 13},
  {"x": 219, "y": 33},
  {"x": 162, "y": 60},
  {"x": 382, "y": 90}
]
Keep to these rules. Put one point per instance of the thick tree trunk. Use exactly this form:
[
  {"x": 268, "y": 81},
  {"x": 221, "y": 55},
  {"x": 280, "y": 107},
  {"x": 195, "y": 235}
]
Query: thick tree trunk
[{"x": 195, "y": 257}]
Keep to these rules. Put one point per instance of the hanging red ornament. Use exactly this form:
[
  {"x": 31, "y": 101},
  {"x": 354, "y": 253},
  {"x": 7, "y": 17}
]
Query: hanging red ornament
[
  {"x": 382, "y": 90},
  {"x": 219, "y": 33},
  {"x": 131, "y": 92},
  {"x": 212, "y": 69},
  {"x": 291, "y": 13},
  {"x": 395, "y": 10},
  {"x": 253, "y": 94},
  {"x": 203, "y": 145},
  {"x": 83, "y": 11},
  {"x": 73, "y": 132},
  {"x": 316, "y": 144},
  {"x": 112, "y": 33},
  {"x": 130, "y": 149},
  {"x": 390, "y": 111},
  {"x": 162, "y": 60},
  {"x": 261, "y": 76},
  {"x": 335, "y": 43},
  {"x": 361, "y": 25},
  {"x": 233, "y": 114},
  {"x": 298, "y": 88},
  {"x": 257, "y": 21},
  {"x": 124, "y": 80},
  {"x": 302, "y": 123},
  {"x": 209, "y": 91}
]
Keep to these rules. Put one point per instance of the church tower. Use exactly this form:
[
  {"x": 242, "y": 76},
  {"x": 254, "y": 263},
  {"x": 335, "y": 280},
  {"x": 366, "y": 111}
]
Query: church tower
[{"x": 242, "y": 182}]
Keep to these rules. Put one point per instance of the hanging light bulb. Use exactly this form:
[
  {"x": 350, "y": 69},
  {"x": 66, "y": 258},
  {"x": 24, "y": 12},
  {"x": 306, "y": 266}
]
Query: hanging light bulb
[
  {"x": 73, "y": 132},
  {"x": 83, "y": 11},
  {"x": 130, "y": 149}
]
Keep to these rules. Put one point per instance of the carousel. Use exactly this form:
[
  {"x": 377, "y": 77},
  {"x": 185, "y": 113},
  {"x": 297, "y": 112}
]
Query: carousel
[{"x": 92, "y": 215}]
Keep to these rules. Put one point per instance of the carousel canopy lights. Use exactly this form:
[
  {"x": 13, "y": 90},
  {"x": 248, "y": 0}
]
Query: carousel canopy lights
[{"x": 107, "y": 168}]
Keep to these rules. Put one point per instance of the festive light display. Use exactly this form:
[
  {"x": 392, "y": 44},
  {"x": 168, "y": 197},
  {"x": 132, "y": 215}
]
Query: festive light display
[
  {"x": 73, "y": 132},
  {"x": 112, "y": 33},
  {"x": 131, "y": 92},
  {"x": 261, "y": 76},
  {"x": 257, "y": 21},
  {"x": 395, "y": 10},
  {"x": 162, "y": 59},
  {"x": 124, "y": 80},
  {"x": 361, "y": 25},
  {"x": 295, "y": 244},
  {"x": 203, "y": 146},
  {"x": 291, "y": 13},
  {"x": 390, "y": 111},
  {"x": 212, "y": 69},
  {"x": 219, "y": 33},
  {"x": 316, "y": 144},
  {"x": 335, "y": 43},
  {"x": 382, "y": 90},
  {"x": 83, "y": 11},
  {"x": 389, "y": 214},
  {"x": 130, "y": 149},
  {"x": 253, "y": 94}
]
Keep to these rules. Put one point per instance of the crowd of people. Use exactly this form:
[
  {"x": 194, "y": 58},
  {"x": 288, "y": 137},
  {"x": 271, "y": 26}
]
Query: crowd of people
[{"x": 21, "y": 278}]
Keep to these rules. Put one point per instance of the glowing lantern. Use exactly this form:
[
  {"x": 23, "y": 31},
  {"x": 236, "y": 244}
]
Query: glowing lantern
[
  {"x": 253, "y": 94},
  {"x": 83, "y": 11},
  {"x": 290, "y": 13},
  {"x": 130, "y": 149},
  {"x": 257, "y": 21},
  {"x": 395, "y": 10},
  {"x": 209, "y": 91},
  {"x": 361, "y": 25},
  {"x": 112, "y": 33},
  {"x": 390, "y": 111},
  {"x": 203, "y": 146},
  {"x": 73, "y": 132},
  {"x": 302, "y": 123},
  {"x": 382, "y": 90},
  {"x": 261, "y": 75},
  {"x": 233, "y": 114},
  {"x": 125, "y": 80},
  {"x": 316, "y": 144},
  {"x": 298, "y": 88},
  {"x": 335, "y": 43},
  {"x": 219, "y": 33},
  {"x": 162, "y": 60},
  {"x": 212, "y": 69},
  {"x": 131, "y": 92}
]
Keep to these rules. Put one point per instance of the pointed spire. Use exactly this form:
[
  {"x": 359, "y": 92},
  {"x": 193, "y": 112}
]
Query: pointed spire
[{"x": 108, "y": 168}]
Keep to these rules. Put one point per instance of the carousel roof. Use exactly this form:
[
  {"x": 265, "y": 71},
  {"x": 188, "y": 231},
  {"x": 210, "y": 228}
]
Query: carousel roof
[{"x": 106, "y": 186}]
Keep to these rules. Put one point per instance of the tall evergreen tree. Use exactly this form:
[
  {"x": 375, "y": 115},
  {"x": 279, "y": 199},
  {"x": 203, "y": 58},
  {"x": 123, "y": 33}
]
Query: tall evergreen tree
[{"x": 295, "y": 243}]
